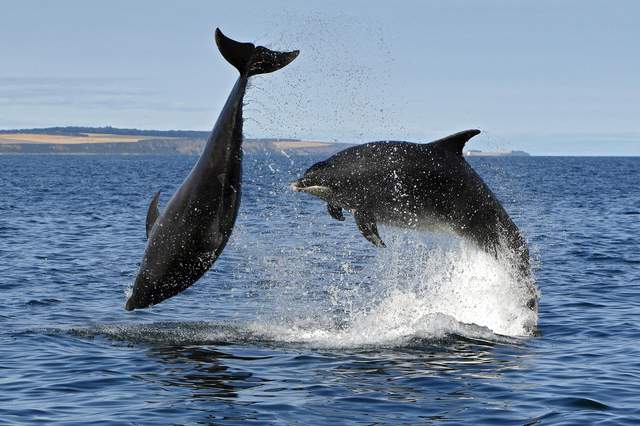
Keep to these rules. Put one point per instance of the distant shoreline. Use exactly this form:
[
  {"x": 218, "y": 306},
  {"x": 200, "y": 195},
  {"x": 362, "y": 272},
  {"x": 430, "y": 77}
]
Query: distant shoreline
[
  {"x": 111, "y": 141},
  {"x": 114, "y": 141}
]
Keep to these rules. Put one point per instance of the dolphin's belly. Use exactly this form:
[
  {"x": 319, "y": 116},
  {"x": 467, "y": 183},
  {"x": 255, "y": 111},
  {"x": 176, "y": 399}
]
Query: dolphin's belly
[
  {"x": 425, "y": 214},
  {"x": 176, "y": 258},
  {"x": 422, "y": 223}
]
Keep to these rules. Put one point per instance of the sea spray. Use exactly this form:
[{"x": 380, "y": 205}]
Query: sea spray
[{"x": 420, "y": 286}]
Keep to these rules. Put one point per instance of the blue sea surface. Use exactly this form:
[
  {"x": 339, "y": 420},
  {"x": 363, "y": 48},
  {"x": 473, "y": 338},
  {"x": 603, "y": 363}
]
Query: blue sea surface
[{"x": 302, "y": 321}]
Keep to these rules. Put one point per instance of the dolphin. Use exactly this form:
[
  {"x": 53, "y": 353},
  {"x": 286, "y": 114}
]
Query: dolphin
[
  {"x": 185, "y": 239},
  {"x": 417, "y": 186}
]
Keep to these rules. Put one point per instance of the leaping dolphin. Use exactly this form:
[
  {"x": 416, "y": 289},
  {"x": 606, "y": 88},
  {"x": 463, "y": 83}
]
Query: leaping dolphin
[
  {"x": 187, "y": 238},
  {"x": 419, "y": 186}
]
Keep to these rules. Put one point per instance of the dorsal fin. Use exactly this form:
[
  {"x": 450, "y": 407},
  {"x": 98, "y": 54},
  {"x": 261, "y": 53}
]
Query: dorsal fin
[
  {"x": 152, "y": 213},
  {"x": 455, "y": 143}
]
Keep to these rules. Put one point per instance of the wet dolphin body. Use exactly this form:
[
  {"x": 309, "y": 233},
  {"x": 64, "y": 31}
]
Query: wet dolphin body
[
  {"x": 419, "y": 186},
  {"x": 186, "y": 239}
]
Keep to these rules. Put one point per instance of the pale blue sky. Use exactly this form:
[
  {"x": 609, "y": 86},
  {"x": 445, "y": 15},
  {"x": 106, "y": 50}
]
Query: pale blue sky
[{"x": 549, "y": 77}]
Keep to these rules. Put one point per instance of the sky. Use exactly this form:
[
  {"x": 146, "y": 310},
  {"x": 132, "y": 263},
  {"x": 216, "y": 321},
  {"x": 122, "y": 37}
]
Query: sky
[{"x": 551, "y": 77}]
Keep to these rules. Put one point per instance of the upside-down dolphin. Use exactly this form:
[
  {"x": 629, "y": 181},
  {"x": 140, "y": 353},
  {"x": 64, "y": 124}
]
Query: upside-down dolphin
[
  {"x": 186, "y": 239},
  {"x": 418, "y": 186}
]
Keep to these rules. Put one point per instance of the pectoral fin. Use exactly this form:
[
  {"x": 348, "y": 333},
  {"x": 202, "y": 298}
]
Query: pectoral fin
[
  {"x": 367, "y": 226},
  {"x": 335, "y": 212},
  {"x": 152, "y": 213}
]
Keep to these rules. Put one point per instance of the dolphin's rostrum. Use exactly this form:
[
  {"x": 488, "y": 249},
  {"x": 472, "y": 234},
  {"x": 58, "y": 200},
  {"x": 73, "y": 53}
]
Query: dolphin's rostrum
[{"x": 187, "y": 237}]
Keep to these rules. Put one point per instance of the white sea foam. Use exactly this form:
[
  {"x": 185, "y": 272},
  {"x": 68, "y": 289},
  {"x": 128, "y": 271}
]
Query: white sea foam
[{"x": 415, "y": 288}]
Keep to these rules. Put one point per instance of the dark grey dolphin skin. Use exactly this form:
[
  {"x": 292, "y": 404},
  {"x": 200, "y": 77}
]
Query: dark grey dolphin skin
[
  {"x": 419, "y": 186},
  {"x": 186, "y": 239}
]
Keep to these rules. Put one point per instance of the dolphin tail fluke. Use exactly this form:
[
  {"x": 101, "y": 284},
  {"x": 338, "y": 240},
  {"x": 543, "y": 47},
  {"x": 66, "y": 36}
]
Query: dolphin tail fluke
[{"x": 250, "y": 59}]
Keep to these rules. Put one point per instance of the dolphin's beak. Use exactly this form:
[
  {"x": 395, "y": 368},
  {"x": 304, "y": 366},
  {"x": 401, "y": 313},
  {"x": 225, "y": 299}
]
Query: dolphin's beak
[{"x": 317, "y": 190}]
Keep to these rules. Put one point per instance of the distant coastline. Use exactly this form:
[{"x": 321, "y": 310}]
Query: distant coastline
[
  {"x": 505, "y": 153},
  {"x": 111, "y": 140}
]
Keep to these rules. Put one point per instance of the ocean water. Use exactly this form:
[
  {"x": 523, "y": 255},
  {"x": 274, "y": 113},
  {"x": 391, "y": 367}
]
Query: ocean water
[{"x": 302, "y": 321}]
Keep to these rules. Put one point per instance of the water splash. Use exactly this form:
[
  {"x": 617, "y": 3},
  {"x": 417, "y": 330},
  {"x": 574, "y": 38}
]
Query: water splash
[{"x": 421, "y": 286}]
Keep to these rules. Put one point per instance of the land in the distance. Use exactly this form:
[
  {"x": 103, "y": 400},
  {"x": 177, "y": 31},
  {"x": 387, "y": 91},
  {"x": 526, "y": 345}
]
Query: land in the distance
[{"x": 111, "y": 140}]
